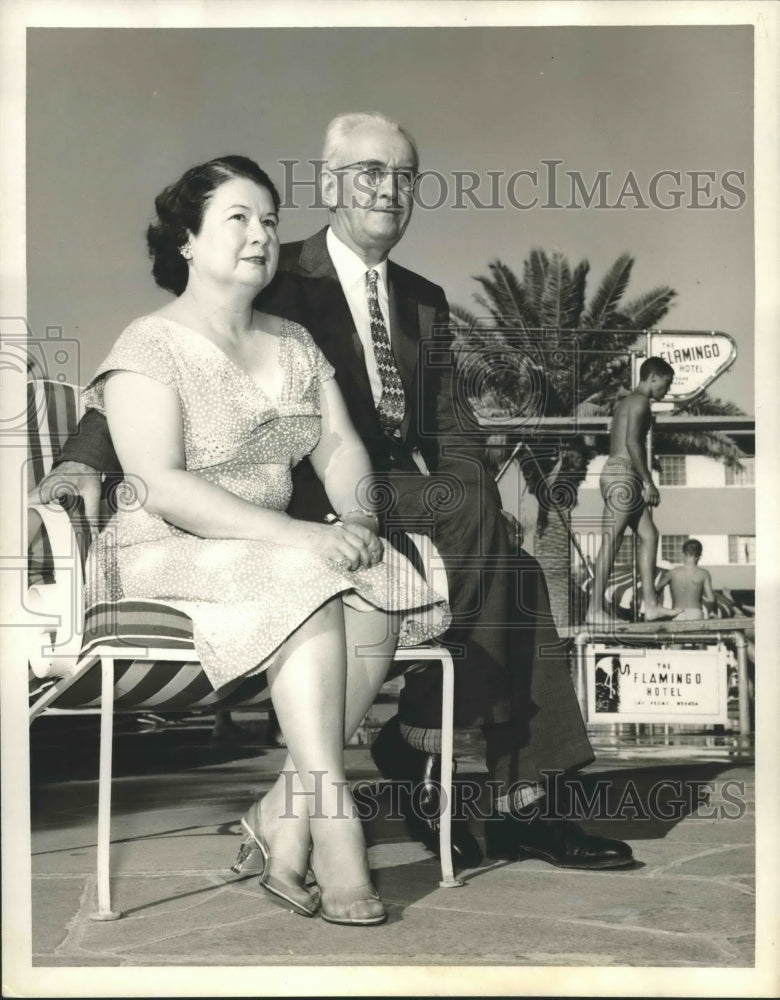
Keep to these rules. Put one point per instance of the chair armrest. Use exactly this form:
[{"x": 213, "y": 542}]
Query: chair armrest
[{"x": 56, "y": 644}]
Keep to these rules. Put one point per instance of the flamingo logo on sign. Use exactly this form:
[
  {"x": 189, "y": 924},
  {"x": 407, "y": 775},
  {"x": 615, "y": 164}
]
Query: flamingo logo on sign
[{"x": 697, "y": 356}]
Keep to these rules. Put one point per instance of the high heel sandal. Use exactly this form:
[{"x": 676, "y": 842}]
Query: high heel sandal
[
  {"x": 287, "y": 884},
  {"x": 347, "y": 895}
]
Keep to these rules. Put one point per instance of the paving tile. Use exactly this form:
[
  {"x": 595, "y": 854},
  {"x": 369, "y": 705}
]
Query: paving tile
[
  {"x": 717, "y": 861},
  {"x": 745, "y": 946},
  {"x": 671, "y": 904},
  {"x": 173, "y": 907},
  {"x": 703, "y": 858},
  {"x": 56, "y": 903},
  {"x": 696, "y": 830}
]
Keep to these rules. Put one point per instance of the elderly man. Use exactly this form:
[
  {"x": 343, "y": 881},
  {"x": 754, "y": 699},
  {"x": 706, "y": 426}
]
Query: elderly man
[{"x": 384, "y": 329}]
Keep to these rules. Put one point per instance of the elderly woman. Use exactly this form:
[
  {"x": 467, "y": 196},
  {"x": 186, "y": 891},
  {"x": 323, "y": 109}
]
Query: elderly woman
[{"x": 210, "y": 404}]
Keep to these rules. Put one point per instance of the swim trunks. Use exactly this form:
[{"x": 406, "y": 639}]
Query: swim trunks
[
  {"x": 690, "y": 615},
  {"x": 620, "y": 486}
]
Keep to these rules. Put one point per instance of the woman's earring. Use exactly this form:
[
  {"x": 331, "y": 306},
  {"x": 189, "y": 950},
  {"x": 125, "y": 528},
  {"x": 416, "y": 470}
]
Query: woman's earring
[{"x": 186, "y": 251}]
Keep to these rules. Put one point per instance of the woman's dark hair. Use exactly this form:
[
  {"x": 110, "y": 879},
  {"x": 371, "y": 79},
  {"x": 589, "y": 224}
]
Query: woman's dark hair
[{"x": 180, "y": 212}]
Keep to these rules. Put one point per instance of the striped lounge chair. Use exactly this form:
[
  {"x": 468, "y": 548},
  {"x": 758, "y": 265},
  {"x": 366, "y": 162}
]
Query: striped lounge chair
[{"x": 138, "y": 656}]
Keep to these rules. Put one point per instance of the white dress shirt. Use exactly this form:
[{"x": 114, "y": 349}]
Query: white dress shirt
[{"x": 351, "y": 271}]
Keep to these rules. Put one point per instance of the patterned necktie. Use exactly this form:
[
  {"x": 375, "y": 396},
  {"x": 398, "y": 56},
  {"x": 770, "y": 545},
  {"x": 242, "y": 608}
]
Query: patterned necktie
[{"x": 391, "y": 403}]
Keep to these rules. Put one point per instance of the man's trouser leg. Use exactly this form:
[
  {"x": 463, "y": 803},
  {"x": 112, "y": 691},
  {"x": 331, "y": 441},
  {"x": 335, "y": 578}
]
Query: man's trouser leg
[{"x": 513, "y": 675}]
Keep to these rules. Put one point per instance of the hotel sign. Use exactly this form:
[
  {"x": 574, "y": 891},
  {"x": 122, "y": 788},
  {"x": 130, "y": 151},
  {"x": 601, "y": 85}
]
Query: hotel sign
[
  {"x": 687, "y": 686},
  {"x": 698, "y": 357}
]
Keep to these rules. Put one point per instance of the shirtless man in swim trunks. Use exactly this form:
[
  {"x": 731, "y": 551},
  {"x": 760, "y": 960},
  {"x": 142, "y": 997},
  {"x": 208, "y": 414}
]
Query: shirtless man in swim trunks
[
  {"x": 691, "y": 585},
  {"x": 630, "y": 494}
]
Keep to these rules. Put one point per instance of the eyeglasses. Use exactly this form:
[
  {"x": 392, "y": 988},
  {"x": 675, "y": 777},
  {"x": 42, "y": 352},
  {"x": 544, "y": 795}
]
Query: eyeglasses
[{"x": 404, "y": 178}]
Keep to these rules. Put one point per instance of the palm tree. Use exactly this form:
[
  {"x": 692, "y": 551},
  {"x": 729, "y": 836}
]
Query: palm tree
[{"x": 541, "y": 349}]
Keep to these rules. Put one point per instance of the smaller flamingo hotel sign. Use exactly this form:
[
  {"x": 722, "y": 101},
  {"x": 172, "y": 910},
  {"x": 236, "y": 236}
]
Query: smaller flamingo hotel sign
[
  {"x": 657, "y": 685},
  {"x": 698, "y": 358}
]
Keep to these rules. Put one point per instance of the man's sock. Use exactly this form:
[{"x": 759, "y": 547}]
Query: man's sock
[
  {"x": 424, "y": 740},
  {"x": 522, "y": 801}
]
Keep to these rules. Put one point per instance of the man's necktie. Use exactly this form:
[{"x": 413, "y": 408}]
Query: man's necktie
[{"x": 391, "y": 403}]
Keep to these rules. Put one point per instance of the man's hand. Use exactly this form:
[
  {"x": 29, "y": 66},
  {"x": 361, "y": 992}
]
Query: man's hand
[
  {"x": 72, "y": 480},
  {"x": 650, "y": 494}
]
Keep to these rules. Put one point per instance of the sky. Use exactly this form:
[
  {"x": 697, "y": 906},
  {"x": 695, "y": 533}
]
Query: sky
[{"x": 113, "y": 115}]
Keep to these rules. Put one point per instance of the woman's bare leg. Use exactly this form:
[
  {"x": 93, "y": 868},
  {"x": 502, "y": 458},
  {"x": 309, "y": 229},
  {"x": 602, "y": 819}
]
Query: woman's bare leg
[
  {"x": 370, "y": 643},
  {"x": 371, "y": 640},
  {"x": 308, "y": 689}
]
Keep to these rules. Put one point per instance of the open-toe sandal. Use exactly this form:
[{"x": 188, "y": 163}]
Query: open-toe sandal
[
  {"x": 276, "y": 877},
  {"x": 335, "y": 899}
]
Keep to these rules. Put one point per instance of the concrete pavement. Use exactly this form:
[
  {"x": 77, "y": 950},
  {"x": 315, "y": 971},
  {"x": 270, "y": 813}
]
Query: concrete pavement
[{"x": 688, "y": 902}]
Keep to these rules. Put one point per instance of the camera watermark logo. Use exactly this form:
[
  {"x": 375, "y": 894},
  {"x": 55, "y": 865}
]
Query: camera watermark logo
[{"x": 44, "y": 362}]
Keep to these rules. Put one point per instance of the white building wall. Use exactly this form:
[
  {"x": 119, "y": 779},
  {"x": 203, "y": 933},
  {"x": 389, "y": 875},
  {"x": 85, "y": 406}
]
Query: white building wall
[{"x": 703, "y": 471}]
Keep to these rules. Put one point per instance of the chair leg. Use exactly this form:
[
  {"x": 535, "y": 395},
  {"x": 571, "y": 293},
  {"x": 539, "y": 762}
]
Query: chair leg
[
  {"x": 448, "y": 880},
  {"x": 104, "y": 911}
]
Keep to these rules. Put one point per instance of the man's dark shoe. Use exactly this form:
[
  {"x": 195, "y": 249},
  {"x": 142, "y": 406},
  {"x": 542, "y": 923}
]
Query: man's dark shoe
[
  {"x": 558, "y": 841},
  {"x": 421, "y": 773}
]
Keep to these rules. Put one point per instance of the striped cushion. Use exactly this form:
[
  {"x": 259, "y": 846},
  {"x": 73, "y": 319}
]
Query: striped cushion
[
  {"x": 134, "y": 625},
  {"x": 164, "y": 686}
]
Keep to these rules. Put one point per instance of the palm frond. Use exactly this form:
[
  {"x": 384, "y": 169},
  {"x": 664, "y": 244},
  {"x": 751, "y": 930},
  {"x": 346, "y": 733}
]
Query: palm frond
[
  {"x": 608, "y": 294},
  {"x": 579, "y": 279},
  {"x": 559, "y": 296},
  {"x": 512, "y": 290},
  {"x": 496, "y": 315},
  {"x": 713, "y": 444},
  {"x": 605, "y": 373},
  {"x": 647, "y": 310},
  {"x": 497, "y": 299},
  {"x": 534, "y": 281},
  {"x": 462, "y": 319},
  {"x": 709, "y": 406}
]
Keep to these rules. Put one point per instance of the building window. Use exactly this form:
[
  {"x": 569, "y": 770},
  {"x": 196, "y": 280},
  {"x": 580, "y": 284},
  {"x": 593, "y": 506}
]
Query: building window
[
  {"x": 742, "y": 549},
  {"x": 744, "y": 477},
  {"x": 671, "y": 547},
  {"x": 625, "y": 554},
  {"x": 672, "y": 470}
]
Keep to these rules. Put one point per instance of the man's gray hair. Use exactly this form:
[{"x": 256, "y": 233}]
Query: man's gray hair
[{"x": 340, "y": 127}]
